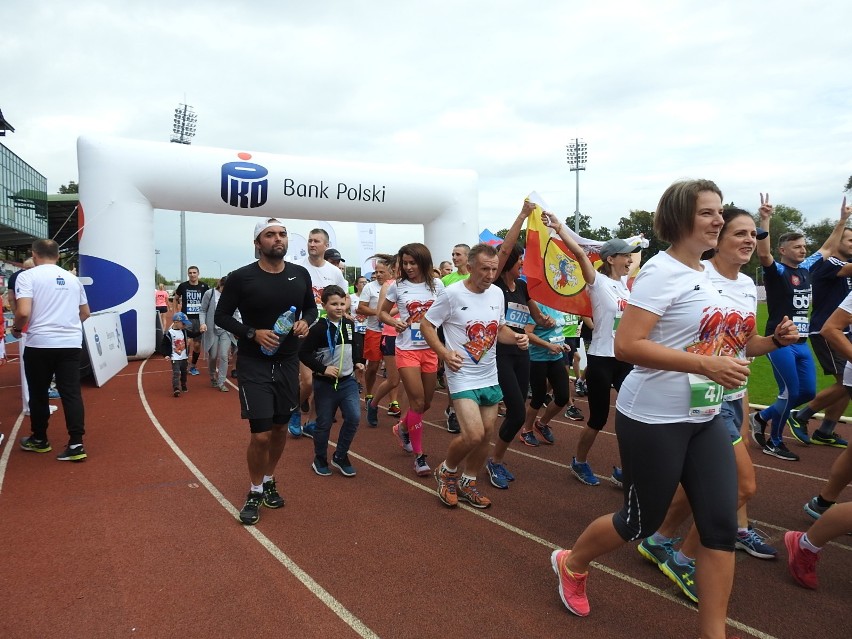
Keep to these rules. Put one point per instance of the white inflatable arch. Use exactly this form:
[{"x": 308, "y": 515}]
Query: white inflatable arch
[{"x": 123, "y": 181}]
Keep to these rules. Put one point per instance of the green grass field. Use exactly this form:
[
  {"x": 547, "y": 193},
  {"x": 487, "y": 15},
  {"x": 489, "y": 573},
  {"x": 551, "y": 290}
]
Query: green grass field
[{"x": 762, "y": 388}]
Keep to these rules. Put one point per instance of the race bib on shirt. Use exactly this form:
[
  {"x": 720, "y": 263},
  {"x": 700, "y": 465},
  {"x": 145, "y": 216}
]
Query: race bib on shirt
[
  {"x": 802, "y": 324},
  {"x": 416, "y": 335},
  {"x": 735, "y": 393},
  {"x": 616, "y": 320},
  {"x": 705, "y": 396},
  {"x": 517, "y": 315}
]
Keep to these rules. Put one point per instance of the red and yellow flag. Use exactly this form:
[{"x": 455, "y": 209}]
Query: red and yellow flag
[{"x": 553, "y": 275}]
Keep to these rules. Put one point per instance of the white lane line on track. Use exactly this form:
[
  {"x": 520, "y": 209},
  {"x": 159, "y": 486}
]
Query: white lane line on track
[
  {"x": 318, "y": 591},
  {"x": 7, "y": 450}
]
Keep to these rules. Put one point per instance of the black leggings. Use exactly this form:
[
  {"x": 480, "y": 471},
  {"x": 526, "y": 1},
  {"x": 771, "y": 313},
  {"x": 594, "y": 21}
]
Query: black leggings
[
  {"x": 603, "y": 373},
  {"x": 552, "y": 371},
  {"x": 513, "y": 375},
  {"x": 657, "y": 457}
]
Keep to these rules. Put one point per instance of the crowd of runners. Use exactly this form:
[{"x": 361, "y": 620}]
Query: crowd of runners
[{"x": 673, "y": 336}]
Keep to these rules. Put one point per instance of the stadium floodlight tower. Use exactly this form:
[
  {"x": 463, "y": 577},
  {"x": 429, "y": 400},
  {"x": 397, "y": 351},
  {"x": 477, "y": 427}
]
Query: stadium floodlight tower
[
  {"x": 577, "y": 156},
  {"x": 183, "y": 130}
]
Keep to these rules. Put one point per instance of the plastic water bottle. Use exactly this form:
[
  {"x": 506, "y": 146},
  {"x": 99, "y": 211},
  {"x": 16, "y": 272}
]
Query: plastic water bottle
[{"x": 283, "y": 326}]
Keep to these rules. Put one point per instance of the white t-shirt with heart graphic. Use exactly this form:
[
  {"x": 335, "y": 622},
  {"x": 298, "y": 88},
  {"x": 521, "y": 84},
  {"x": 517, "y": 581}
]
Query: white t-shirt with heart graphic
[
  {"x": 412, "y": 300},
  {"x": 471, "y": 321}
]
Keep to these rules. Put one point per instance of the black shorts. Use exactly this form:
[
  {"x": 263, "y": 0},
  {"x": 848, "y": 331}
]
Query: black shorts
[
  {"x": 573, "y": 344},
  {"x": 195, "y": 331},
  {"x": 831, "y": 361},
  {"x": 269, "y": 389},
  {"x": 162, "y": 309},
  {"x": 389, "y": 345}
]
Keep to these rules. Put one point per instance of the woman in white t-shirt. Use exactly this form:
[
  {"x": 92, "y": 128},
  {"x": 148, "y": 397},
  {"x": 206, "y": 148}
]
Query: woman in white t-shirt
[
  {"x": 413, "y": 293},
  {"x": 368, "y": 306},
  {"x": 668, "y": 409},
  {"x": 608, "y": 292}
]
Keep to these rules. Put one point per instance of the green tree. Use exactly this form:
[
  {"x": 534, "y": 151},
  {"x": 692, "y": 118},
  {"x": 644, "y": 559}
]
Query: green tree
[
  {"x": 848, "y": 188},
  {"x": 785, "y": 219},
  {"x": 522, "y": 237},
  {"x": 72, "y": 187},
  {"x": 641, "y": 223},
  {"x": 816, "y": 234}
]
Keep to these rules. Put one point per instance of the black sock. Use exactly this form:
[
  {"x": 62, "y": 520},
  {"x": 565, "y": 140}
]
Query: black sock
[
  {"x": 824, "y": 503},
  {"x": 195, "y": 358}
]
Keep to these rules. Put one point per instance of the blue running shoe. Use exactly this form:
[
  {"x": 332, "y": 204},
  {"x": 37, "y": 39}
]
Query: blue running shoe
[
  {"x": 295, "y": 425},
  {"x": 193, "y": 371},
  {"x": 683, "y": 576},
  {"x": 309, "y": 429},
  {"x": 372, "y": 414},
  {"x": 616, "y": 477},
  {"x": 814, "y": 509},
  {"x": 545, "y": 432},
  {"x": 53, "y": 394},
  {"x": 495, "y": 474},
  {"x": 584, "y": 473},
  {"x": 528, "y": 438},
  {"x": 753, "y": 543},
  {"x": 828, "y": 440},
  {"x": 798, "y": 429},
  {"x": 657, "y": 554}
]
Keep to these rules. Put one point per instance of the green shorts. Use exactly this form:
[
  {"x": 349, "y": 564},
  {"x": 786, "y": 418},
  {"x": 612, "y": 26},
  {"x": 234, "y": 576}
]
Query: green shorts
[{"x": 487, "y": 396}]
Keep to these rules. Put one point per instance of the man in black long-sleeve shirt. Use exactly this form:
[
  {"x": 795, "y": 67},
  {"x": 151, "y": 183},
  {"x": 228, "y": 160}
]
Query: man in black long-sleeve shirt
[{"x": 269, "y": 384}]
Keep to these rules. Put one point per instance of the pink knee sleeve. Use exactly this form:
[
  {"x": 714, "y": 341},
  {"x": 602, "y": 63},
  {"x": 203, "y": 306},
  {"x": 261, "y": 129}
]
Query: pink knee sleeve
[{"x": 414, "y": 423}]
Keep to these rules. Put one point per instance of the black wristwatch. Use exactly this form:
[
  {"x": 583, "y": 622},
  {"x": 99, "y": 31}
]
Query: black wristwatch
[{"x": 250, "y": 334}]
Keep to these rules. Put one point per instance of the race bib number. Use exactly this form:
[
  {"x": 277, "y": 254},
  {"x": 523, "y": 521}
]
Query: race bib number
[
  {"x": 616, "y": 321},
  {"x": 517, "y": 315},
  {"x": 802, "y": 324},
  {"x": 558, "y": 339},
  {"x": 734, "y": 393},
  {"x": 360, "y": 328},
  {"x": 416, "y": 336},
  {"x": 705, "y": 396}
]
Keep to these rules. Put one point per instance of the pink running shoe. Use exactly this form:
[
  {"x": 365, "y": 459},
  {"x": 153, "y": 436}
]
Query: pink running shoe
[
  {"x": 572, "y": 587},
  {"x": 802, "y": 563},
  {"x": 402, "y": 436}
]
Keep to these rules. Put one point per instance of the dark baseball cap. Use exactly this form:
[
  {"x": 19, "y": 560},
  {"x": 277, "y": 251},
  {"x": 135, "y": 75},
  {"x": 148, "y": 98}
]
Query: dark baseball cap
[{"x": 333, "y": 255}]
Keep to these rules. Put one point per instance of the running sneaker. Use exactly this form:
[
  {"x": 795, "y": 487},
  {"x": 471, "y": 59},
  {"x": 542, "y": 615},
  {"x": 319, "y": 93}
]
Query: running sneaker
[
  {"x": 828, "y": 440},
  {"x": 798, "y": 429},
  {"x": 402, "y": 436},
  {"x": 572, "y": 586},
  {"x": 467, "y": 491},
  {"x": 802, "y": 563},
  {"x": 309, "y": 429},
  {"x": 528, "y": 438},
  {"x": 193, "y": 371},
  {"x": 495, "y": 474},
  {"x": 814, "y": 509},
  {"x": 780, "y": 451},
  {"x": 421, "y": 468},
  {"x": 54, "y": 394},
  {"x": 617, "y": 477},
  {"x": 574, "y": 413},
  {"x": 223, "y": 389},
  {"x": 214, "y": 383},
  {"x": 683, "y": 576},
  {"x": 580, "y": 389},
  {"x": 545, "y": 431},
  {"x": 295, "y": 425},
  {"x": 367, "y": 399},
  {"x": 508, "y": 475},
  {"x": 176, "y": 392},
  {"x": 757, "y": 425},
  {"x": 320, "y": 466},
  {"x": 35, "y": 445},
  {"x": 372, "y": 414},
  {"x": 754, "y": 544},
  {"x": 453, "y": 425},
  {"x": 447, "y": 482},
  {"x": 271, "y": 498},
  {"x": 343, "y": 465},
  {"x": 250, "y": 514},
  {"x": 394, "y": 410},
  {"x": 74, "y": 453},
  {"x": 584, "y": 473},
  {"x": 184, "y": 389},
  {"x": 657, "y": 554}
]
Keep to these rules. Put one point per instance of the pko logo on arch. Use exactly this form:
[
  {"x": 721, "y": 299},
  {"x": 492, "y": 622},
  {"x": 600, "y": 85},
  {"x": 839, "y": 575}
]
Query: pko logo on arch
[{"x": 244, "y": 184}]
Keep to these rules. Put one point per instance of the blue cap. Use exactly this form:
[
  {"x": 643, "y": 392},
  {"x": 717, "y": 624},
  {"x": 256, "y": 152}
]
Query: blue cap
[{"x": 181, "y": 317}]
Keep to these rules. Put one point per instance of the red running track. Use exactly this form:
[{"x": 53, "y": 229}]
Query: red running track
[{"x": 142, "y": 540}]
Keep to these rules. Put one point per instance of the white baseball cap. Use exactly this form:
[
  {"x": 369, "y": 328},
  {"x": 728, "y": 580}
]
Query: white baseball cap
[{"x": 265, "y": 223}]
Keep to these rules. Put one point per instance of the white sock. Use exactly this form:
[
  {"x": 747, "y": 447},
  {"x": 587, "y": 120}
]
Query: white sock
[
  {"x": 805, "y": 544},
  {"x": 267, "y": 478},
  {"x": 448, "y": 469},
  {"x": 466, "y": 479},
  {"x": 256, "y": 489}
]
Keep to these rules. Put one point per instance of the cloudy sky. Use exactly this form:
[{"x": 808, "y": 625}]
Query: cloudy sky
[{"x": 754, "y": 95}]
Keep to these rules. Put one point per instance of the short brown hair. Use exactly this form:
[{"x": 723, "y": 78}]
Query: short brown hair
[
  {"x": 46, "y": 248},
  {"x": 483, "y": 249},
  {"x": 675, "y": 214}
]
